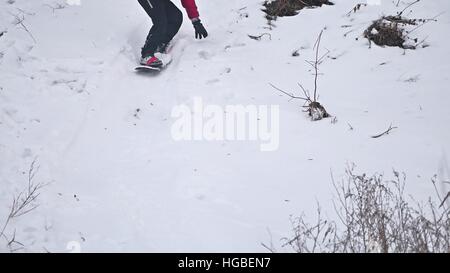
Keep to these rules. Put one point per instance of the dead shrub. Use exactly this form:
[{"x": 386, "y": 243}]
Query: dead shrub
[
  {"x": 374, "y": 216},
  {"x": 22, "y": 204},
  {"x": 315, "y": 110}
]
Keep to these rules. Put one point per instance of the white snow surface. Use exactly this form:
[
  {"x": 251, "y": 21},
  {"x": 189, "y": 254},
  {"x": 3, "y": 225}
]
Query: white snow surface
[{"x": 117, "y": 179}]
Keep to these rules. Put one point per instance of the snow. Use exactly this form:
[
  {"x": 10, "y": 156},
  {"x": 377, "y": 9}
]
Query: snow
[{"x": 118, "y": 181}]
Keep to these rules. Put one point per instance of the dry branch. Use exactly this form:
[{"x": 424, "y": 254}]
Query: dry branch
[
  {"x": 259, "y": 37},
  {"x": 385, "y": 132}
]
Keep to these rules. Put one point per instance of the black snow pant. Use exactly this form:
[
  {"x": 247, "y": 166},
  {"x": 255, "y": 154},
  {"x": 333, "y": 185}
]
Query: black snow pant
[{"x": 167, "y": 20}]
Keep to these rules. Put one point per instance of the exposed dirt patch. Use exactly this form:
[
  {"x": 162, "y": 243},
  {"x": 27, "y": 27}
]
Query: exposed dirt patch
[
  {"x": 394, "y": 31},
  {"x": 280, "y": 8}
]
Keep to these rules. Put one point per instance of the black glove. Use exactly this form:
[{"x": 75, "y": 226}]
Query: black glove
[{"x": 200, "y": 31}]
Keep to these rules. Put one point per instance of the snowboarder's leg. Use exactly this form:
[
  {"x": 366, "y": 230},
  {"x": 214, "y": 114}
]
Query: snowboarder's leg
[
  {"x": 175, "y": 19},
  {"x": 156, "y": 9}
]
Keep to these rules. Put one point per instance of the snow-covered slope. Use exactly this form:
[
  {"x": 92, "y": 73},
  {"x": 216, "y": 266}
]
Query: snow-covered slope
[{"x": 101, "y": 133}]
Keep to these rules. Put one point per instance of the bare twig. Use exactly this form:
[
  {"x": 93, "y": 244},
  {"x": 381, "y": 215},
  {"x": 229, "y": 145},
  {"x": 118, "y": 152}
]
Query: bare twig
[
  {"x": 271, "y": 248},
  {"x": 20, "y": 21},
  {"x": 445, "y": 199},
  {"x": 55, "y": 7},
  {"x": 259, "y": 37},
  {"x": 425, "y": 21},
  {"x": 356, "y": 8},
  {"x": 289, "y": 94},
  {"x": 24, "y": 202},
  {"x": 408, "y": 6},
  {"x": 385, "y": 132},
  {"x": 316, "y": 64}
]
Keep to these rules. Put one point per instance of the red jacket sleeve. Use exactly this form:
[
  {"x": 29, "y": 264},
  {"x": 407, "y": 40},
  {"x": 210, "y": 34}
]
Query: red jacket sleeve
[{"x": 191, "y": 8}]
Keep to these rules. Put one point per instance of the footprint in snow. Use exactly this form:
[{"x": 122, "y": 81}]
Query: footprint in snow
[
  {"x": 205, "y": 55},
  {"x": 213, "y": 81},
  {"x": 226, "y": 70},
  {"x": 228, "y": 47}
]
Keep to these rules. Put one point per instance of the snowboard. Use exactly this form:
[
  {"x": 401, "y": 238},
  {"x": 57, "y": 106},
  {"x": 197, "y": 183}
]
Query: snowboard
[{"x": 148, "y": 69}]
